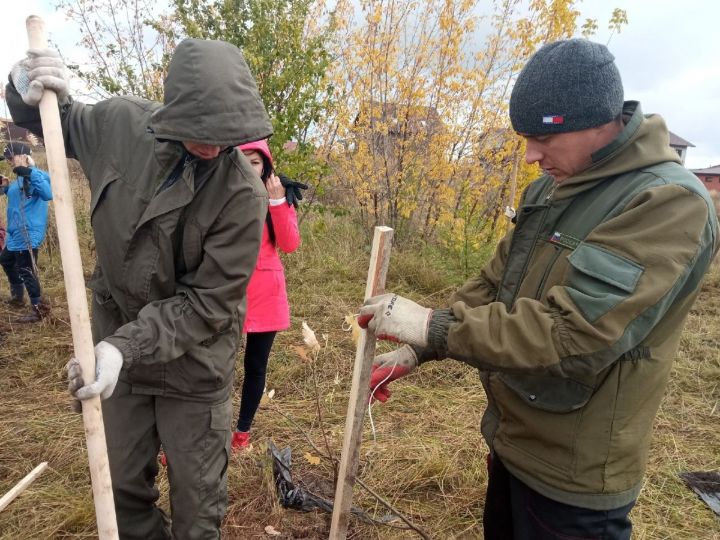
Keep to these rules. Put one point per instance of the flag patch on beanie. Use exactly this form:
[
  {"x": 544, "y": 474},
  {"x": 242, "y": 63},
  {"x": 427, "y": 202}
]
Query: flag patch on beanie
[{"x": 553, "y": 119}]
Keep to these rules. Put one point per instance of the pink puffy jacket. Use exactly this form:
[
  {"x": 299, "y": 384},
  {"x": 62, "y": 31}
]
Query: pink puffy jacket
[{"x": 267, "y": 303}]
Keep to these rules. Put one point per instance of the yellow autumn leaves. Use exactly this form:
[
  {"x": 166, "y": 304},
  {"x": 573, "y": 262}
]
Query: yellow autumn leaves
[{"x": 418, "y": 138}]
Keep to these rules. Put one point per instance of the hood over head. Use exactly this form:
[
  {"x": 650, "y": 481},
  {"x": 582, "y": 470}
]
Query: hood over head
[{"x": 210, "y": 97}]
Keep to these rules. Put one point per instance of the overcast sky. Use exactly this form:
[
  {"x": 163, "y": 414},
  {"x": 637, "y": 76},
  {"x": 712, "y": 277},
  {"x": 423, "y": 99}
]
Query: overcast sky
[{"x": 668, "y": 56}]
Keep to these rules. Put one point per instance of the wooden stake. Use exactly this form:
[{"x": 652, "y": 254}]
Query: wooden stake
[
  {"x": 22, "y": 485},
  {"x": 359, "y": 391},
  {"x": 75, "y": 290}
]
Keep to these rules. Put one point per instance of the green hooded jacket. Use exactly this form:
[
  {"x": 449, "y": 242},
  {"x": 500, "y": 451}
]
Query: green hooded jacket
[
  {"x": 176, "y": 237},
  {"x": 576, "y": 320}
]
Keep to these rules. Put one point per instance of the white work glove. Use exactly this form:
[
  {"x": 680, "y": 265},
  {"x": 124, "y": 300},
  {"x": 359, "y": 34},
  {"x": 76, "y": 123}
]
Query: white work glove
[
  {"x": 42, "y": 69},
  {"x": 395, "y": 318},
  {"x": 108, "y": 363},
  {"x": 390, "y": 367}
]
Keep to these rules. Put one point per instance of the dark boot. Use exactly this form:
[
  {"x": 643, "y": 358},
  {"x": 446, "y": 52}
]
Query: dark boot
[
  {"x": 17, "y": 298},
  {"x": 38, "y": 313}
]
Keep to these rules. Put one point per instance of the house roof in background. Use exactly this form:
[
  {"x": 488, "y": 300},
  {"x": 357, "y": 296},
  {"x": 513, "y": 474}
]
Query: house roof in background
[
  {"x": 10, "y": 132},
  {"x": 676, "y": 140},
  {"x": 715, "y": 169}
]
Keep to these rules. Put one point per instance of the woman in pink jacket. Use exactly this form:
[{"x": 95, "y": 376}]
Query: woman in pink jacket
[{"x": 267, "y": 305}]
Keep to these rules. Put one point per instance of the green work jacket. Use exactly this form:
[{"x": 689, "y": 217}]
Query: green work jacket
[
  {"x": 576, "y": 320},
  {"x": 176, "y": 237}
]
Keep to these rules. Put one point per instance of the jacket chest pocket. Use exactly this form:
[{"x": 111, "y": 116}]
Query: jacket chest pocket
[{"x": 598, "y": 280}]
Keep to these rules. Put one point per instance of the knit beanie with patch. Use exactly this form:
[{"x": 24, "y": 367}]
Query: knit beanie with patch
[{"x": 566, "y": 86}]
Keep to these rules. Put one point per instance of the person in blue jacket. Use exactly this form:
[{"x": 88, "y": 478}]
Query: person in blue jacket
[{"x": 27, "y": 210}]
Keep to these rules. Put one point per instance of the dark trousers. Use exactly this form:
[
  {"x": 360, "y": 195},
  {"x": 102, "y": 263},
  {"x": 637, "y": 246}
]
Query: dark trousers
[
  {"x": 513, "y": 511},
  {"x": 195, "y": 437},
  {"x": 257, "y": 352},
  {"x": 19, "y": 269}
]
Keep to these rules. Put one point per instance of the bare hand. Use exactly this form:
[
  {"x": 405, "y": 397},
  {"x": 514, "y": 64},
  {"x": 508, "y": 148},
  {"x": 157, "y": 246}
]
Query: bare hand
[
  {"x": 4, "y": 181},
  {"x": 274, "y": 188}
]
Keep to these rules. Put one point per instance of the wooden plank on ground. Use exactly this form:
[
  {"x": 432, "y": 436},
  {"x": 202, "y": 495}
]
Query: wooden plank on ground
[
  {"x": 359, "y": 395},
  {"x": 22, "y": 485}
]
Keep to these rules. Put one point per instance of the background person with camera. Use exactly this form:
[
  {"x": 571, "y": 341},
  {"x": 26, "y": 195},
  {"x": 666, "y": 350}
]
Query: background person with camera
[
  {"x": 268, "y": 310},
  {"x": 27, "y": 211}
]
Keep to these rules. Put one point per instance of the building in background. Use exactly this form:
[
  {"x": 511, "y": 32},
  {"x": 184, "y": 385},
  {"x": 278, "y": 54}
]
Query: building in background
[
  {"x": 9, "y": 132},
  {"x": 680, "y": 145},
  {"x": 710, "y": 177}
]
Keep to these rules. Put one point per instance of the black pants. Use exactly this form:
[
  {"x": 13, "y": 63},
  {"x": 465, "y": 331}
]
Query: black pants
[
  {"x": 513, "y": 511},
  {"x": 19, "y": 269},
  {"x": 257, "y": 352}
]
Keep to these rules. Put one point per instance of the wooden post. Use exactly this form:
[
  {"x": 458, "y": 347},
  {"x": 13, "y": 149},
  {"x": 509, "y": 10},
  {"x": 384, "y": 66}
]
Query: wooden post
[
  {"x": 22, "y": 485},
  {"x": 76, "y": 296},
  {"x": 359, "y": 391}
]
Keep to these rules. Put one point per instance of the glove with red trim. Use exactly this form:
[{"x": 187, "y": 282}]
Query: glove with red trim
[
  {"x": 390, "y": 367},
  {"x": 395, "y": 318}
]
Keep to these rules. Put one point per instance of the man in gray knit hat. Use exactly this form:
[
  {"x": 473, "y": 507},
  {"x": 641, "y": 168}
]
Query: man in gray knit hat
[{"x": 575, "y": 321}]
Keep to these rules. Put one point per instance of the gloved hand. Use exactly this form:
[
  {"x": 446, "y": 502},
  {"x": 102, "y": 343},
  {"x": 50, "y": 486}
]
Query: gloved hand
[
  {"x": 43, "y": 68},
  {"x": 396, "y": 318},
  {"x": 22, "y": 171},
  {"x": 390, "y": 367},
  {"x": 108, "y": 363},
  {"x": 292, "y": 190}
]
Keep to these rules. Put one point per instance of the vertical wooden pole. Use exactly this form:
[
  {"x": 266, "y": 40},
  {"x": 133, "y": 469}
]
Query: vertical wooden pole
[
  {"x": 75, "y": 290},
  {"x": 359, "y": 391}
]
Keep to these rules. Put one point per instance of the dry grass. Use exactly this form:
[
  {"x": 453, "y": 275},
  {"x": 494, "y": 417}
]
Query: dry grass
[{"x": 428, "y": 458}]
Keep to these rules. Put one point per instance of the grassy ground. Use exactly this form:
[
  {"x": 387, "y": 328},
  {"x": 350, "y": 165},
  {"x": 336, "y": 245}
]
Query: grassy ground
[{"x": 426, "y": 456}]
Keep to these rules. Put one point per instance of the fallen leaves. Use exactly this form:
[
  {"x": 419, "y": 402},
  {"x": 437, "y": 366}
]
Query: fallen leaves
[
  {"x": 311, "y": 459},
  {"x": 351, "y": 325},
  {"x": 301, "y": 352},
  {"x": 309, "y": 338},
  {"x": 267, "y": 396},
  {"x": 272, "y": 531}
]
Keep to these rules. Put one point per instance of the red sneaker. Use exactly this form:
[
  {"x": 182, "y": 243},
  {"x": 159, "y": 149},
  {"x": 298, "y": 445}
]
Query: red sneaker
[{"x": 240, "y": 440}]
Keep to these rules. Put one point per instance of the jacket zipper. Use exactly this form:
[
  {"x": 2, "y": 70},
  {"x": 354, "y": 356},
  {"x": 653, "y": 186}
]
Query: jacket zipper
[
  {"x": 551, "y": 193},
  {"x": 547, "y": 201},
  {"x": 488, "y": 386},
  {"x": 538, "y": 292}
]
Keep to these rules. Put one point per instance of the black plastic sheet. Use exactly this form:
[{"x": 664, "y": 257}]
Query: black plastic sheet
[
  {"x": 706, "y": 485},
  {"x": 298, "y": 498}
]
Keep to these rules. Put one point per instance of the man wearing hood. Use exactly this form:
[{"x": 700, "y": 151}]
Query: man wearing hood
[
  {"x": 177, "y": 214},
  {"x": 575, "y": 321}
]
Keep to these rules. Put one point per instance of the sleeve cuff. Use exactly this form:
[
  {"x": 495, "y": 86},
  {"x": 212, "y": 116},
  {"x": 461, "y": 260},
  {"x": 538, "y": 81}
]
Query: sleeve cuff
[
  {"x": 440, "y": 322},
  {"x": 423, "y": 354},
  {"x": 130, "y": 353},
  {"x": 277, "y": 202}
]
